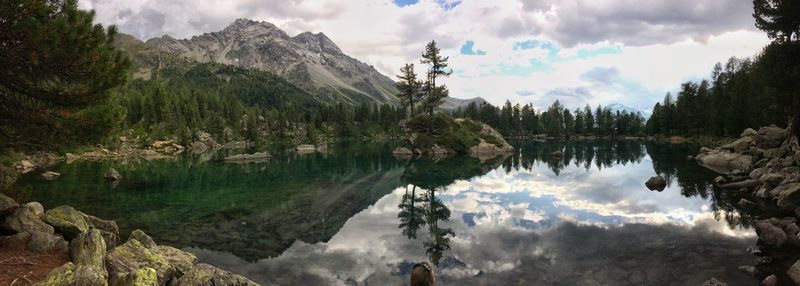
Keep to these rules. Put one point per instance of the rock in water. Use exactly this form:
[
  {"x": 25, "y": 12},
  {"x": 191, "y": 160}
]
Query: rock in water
[
  {"x": 770, "y": 234},
  {"x": 656, "y": 183},
  {"x": 243, "y": 158},
  {"x": 305, "y": 149},
  {"x": 112, "y": 175},
  {"x": 714, "y": 282},
  {"x": 556, "y": 154},
  {"x": 724, "y": 162},
  {"x": 403, "y": 151},
  {"x": 25, "y": 166},
  {"x": 50, "y": 175}
]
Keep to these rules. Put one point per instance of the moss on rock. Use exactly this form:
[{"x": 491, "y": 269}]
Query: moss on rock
[{"x": 67, "y": 221}]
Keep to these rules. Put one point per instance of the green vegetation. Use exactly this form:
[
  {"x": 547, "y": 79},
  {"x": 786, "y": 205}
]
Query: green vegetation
[
  {"x": 425, "y": 93},
  {"x": 519, "y": 120},
  {"x": 58, "y": 68}
]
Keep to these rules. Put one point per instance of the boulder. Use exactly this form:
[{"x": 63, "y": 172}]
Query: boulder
[
  {"x": 207, "y": 275},
  {"x": 749, "y": 132},
  {"x": 112, "y": 175},
  {"x": 788, "y": 195},
  {"x": 24, "y": 166},
  {"x": 773, "y": 152},
  {"x": 70, "y": 274},
  {"x": 43, "y": 242},
  {"x": 133, "y": 255},
  {"x": 747, "y": 204},
  {"x": 71, "y": 157},
  {"x": 89, "y": 249},
  {"x": 770, "y": 234},
  {"x": 144, "y": 276},
  {"x": 770, "y": 137},
  {"x": 719, "y": 180},
  {"x": 36, "y": 208},
  {"x": 67, "y": 221},
  {"x": 403, "y": 151},
  {"x": 714, "y": 282},
  {"x": 50, "y": 175},
  {"x": 305, "y": 148},
  {"x": 746, "y": 184},
  {"x": 771, "y": 280},
  {"x": 794, "y": 272},
  {"x": 7, "y": 205},
  {"x": 656, "y": 183},
  {"x": 24, "y": 219},
  {"x": 143, "y": 238},
  {"x": 724, "y": 162},
  {"x": 182, "y": 261},
  {"x": 740, "y": 145},
  {"x": 198, "y": 147},
  {"x": 487, "y": 148},
  {"x": 772, "y": 179},
  {"x": 108, "y": 229},
  {"x": 758, "y": 172}
]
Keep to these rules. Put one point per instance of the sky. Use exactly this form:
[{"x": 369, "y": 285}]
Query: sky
[{"x": 629, "y": 52}]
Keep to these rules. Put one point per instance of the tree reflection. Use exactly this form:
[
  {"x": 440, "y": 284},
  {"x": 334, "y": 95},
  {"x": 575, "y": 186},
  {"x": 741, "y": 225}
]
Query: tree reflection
[{"x": 425, "y": 209}]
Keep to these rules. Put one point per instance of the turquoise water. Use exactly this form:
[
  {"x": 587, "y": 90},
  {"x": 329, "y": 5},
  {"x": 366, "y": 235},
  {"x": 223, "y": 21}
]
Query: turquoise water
[{"x": 357, "y": 215}]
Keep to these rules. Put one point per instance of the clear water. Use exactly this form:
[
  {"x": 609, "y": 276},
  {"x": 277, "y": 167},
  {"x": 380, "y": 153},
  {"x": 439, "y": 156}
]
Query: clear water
[{"x": 357, "y": 215}]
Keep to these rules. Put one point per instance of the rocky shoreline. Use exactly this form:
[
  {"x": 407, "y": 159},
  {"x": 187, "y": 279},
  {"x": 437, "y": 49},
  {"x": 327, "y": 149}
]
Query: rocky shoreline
[
  {"x": 93, "y": 253},
  {"x": 430, "y": 136},
  {"x": 764, "y": 170}
]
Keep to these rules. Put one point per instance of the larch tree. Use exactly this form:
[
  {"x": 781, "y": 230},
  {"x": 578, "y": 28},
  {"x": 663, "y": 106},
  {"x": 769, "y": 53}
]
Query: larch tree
[
  {"x": 409, "y": 87},
  {"x": 437, "y": 67}
]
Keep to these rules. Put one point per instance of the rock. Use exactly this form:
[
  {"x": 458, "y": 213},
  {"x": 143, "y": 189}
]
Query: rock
[
  {"x": 182, "y": 261},
  {"x": 305, "y": 149},
  {"x": 67, "y": 221},
  {"x": 749, "y": 269},
  {"x": 36, "y": 208},
  {"x": 43, "y": 242},
  {"x": 71, "y": 157},
  {"x": 108, "y": 229},
  {"x": 794, "y": 272},
  {"x": 484, "y": 148},
  {"x": 24, "y": 219},
  {"x": 773, "y": 152},
  {"x": 740, "y": 145},
  {"x": 403, "y": 151},
  {"x": 198, "y": 147},
  {"x": 770, "y": 137},
  {"x": 142, "y": 237},
  {"x": 556, "y": 154},
  {"x": 747, "y": 204},
  {"x": 724, "y": 162},
  {"x": 770, "y": 234},
  {"x": 689, "y": 158},
  {"x": 749, "y": 132},
  {"x": 714, "y": 282},
  {"x": 112, "y": 175},
  {"x": 788, "y": 195},
  {"x": 63, "y": 275},
  {"x": 207, "y": 275},
  {"x": 772, "y": 179},
  {"x": 719, "y": 180},
  {"x": 50, "y": 175},
  {"x": 771, "y": 280},
  {"x": 7, "y": 205},
  {"x": 787, "y": 161},
  {"x": 144, "y": 276},
  {"x": 747, "y": 184},
  {"x": 134, "y": 255},
  {"x": 763, "y": 193},
  {"x": 656, "y": 183},
  {"x": 758, "y": 172},
  {"x": 89, "y": 249},
  {"x": 255, "y": 157},
  {"x": 24, "y": 166}
]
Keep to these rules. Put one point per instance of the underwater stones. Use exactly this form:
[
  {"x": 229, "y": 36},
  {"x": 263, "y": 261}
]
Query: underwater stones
[
  {"x": 656, "y": 183},
  {"x": 112, "y": 175}
]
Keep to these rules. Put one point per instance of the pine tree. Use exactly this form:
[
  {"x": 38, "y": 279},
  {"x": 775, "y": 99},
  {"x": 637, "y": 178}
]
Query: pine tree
[{"x": 437, "y": 67}]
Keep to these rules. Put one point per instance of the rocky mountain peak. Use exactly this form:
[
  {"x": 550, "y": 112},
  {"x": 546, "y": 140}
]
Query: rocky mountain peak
[{"x": 318, "y": 42}]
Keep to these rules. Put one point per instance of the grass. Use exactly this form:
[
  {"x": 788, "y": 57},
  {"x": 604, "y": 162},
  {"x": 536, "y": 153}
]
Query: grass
[{"x": 444, "y": 131}]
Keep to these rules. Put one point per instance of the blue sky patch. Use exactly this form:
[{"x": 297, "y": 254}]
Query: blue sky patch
[
  {"x": 468, "y": 48},
  {"x": 446, "y": 5},
  {"x": 403, "y": 3}
]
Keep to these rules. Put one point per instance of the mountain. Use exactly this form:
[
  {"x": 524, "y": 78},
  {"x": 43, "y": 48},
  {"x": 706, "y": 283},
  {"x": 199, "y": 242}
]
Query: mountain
[
  {"x": 452, "y": 103},
  {"x": 312, "y": 62},
  {"x": 614, "y": 107}
]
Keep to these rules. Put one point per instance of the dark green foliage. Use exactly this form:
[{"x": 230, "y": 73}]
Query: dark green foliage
[
  {"x": 410, "y": 88},
  {"x": 437, "y": 67},
  {"x": 779, "y": 18},
  {"x": 517, "y": 120},
  {"x": 55, "y": 62},
  {"x": 440, "y": 129}
]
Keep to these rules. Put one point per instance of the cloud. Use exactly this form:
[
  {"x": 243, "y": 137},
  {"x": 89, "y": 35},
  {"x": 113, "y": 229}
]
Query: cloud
[{"x": 601, "y": 75}]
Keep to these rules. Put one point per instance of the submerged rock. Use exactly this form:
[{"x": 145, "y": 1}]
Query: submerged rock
[
  {"x": 24, "y": 166},
  {"x": 112, "y": 175},
  {"x": 403, "y": 151},
  {"x": 50, "y": 175},
  {"x": 556, "y": 154},
  {"x": 242, "y": 158},
  {"x": 656, "y": 183}
]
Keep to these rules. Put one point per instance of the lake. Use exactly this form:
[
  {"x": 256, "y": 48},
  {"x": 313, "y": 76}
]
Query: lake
[{"x": 358, "y": 216}]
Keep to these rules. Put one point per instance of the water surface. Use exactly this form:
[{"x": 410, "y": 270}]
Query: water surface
[{"x": 357, "y": 215}]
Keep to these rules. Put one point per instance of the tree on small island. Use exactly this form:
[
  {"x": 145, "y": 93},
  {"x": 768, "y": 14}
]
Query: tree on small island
[{"x": 427, "y": 93}]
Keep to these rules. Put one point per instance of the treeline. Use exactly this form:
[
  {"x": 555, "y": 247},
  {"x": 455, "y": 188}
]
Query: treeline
[
  {"x": 237, "y": 104},
  {"x": 736, "y": 97},
  {"x": 556, "y": 120}
]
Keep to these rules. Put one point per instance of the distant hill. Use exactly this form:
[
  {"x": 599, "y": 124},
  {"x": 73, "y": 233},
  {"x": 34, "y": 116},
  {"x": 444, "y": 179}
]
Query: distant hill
[
  {"x": 312, "y": 62},
  {"x": 614, "y": 107},
  {"x": 452, "y": 103}
]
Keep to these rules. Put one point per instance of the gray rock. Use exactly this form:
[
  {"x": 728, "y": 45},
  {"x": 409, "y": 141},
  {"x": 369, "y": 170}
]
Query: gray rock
[
  {"x": 36, "y": 208},
  {"x": 403, "y": 151},
  {"x": 772, "y": 179},
  {"x": 749, "y": 132},
  {"x": 255, "y": 157},
  {"x": 724, "y": 162},
  {"x": 773, "y": 152},
  {"x": 50, "y": 175},
  {"x": 144, "y": 276},
  {"x": 207, "y": 275},
  {"x": 740, "y": 145},
  {"x": 89, "y": 249},
  {"x": 788, "y": 195},
  {"x": 305, "y": 148},
  {"x": 758, "y": 172},
  {"x": 108, "y": 229},
  {"x": 67, "y": 221},
  {"x": 746, "y": 184},
  {"x": 714, "y": 282},
  {"x": 112, "y": 175},
  {"x": 7, "y": 205},
  {"x": 771, "y": 280},
  {"x": 24, "y": 166},
  {"x": 770, "y": 137},
  {"x": 43, "y": 242},
  {"x": 749, "y": 269},
  {"x": 142, "y": 237},
  {"x": 556, "y": 154},
  {"x": 770, "y": 234},
  {"x": 787, "y": 161},
  {"x": 656, "y": 183},
  {"x": 719, "y": 180},
  {"x": 747, "y": 204},
  {"x": 24, "y": 219},
  {"x": 794, "y": 272},
  {"x": 182, "y": 261},
  {"x": 132, "y": 256}
]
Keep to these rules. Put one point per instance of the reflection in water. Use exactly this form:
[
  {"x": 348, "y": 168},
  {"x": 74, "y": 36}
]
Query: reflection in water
[{"x": 359, "y": 216}]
